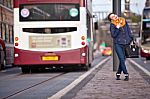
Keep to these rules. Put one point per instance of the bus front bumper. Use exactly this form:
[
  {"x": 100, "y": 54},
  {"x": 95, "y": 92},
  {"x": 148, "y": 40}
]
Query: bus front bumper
[{"x": 24, "y": 57}]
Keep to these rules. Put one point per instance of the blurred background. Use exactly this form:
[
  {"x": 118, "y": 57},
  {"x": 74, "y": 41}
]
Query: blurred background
[{"x": 132, "y": 10}]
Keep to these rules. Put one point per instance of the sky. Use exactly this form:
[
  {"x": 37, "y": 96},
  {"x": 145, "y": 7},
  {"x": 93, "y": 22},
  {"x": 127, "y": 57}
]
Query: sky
[{"x": 106, "y": 5}]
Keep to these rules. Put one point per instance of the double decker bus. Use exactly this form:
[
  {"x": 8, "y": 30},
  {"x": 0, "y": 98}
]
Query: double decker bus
[
  {"x": 145, "y": 33},
  {"x": 52, "y": 33}
]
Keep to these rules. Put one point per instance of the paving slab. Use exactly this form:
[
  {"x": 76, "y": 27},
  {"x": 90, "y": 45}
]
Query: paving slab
[{"x": 104, "y": 86}]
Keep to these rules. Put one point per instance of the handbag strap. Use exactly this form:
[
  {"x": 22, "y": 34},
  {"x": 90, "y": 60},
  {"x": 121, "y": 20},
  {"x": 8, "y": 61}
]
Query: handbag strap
[{"x": 133, "y": 43}]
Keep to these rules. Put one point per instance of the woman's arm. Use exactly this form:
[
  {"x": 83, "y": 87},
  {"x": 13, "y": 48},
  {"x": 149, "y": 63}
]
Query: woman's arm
[
  {"x": 114, "y": 30},
  {"x": 129, "y": 30}
]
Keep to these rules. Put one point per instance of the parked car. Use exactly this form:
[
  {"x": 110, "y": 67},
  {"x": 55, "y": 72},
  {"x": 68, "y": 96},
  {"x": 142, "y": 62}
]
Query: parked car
[
  {"x": 2, "y": 54},
  {"x": 1, "y": 57},
  {"x": 107, "y": 51}
]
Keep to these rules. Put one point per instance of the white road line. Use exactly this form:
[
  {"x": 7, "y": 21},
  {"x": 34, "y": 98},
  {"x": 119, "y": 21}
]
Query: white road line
[
  {"x": 3, "y": 71},
  {"x": 9, "y": 69},
  {"x": 62, "y": 92},
  {"x": 140, "y": 67}
]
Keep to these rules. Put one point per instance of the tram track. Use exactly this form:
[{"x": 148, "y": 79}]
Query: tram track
[
  {"x": 32, "y": 86},
  {"x": 36, "y": 85},
  {"x": 14, "y": 75}
]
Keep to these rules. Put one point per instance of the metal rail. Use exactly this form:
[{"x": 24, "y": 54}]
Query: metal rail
[{"x": 32, "y": 86}]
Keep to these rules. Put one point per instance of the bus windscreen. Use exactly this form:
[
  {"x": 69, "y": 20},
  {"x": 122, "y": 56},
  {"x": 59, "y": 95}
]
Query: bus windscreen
[
  {"x": 146, "y": 20},
  {"x": 146, "y": 14},
  {"x": 49, "y": 12},
  {"x": 146, "y": 27}
]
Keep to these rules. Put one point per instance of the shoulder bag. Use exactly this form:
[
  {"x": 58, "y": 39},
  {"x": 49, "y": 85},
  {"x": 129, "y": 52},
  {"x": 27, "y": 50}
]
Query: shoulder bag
[{"x": 132, "y": 50}]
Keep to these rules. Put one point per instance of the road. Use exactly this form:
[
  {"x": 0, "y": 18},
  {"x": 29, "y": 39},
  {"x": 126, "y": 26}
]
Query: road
[
  {"x": 143, "y": 62},
  {"x": 142, "y": 66},
  {"x": 15, "y": 85},
  {"x": 41, "y": 85}
]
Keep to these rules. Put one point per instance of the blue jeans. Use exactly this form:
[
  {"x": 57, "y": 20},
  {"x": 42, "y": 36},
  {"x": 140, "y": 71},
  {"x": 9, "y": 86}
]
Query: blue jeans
[{"x": 120, "y": 50}]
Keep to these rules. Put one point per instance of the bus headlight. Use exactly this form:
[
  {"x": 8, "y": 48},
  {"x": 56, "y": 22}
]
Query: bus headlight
[
  {"x": 83, "y": 54},
  {"x": 16, "y": 55},
  {"x": 145, "y": 51}
]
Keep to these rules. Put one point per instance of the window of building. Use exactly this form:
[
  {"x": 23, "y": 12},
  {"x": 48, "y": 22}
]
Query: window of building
[
  {"x": 3, "y": 31},
  {"x": 1, "y": 1},
  {"x": 7, "y": 33},
  {"x": 5, "y": 3},
  {"x": 10, "y": 34},
  {"x": 9, "y": 3}
]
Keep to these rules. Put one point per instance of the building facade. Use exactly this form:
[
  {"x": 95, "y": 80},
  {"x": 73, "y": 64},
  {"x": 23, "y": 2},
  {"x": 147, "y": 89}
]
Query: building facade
[
  {"x": 6, "y": 29},
  {"x": 6, "y": 20}
]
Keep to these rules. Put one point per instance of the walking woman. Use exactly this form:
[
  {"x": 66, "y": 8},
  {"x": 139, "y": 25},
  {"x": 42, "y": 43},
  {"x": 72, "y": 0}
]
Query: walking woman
[{"x": 121, "y": 35}]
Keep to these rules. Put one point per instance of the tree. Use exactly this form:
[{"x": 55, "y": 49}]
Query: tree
[{"x": 133, "y": 16}]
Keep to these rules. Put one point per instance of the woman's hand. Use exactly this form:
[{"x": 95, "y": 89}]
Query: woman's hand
[{"x": 118, "y": 26}]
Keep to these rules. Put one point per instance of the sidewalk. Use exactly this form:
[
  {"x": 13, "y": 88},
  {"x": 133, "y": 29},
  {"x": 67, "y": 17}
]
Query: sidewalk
[{"x": 104, "y": 86}]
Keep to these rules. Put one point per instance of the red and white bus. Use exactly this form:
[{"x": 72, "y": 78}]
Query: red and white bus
[
  {"x": 145, "y": 33},
  {"x": 52, "y": 33}
]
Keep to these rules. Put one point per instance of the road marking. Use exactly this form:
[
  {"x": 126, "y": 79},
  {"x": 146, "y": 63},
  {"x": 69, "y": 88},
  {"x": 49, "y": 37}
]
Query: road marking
[
  {"x": 10, "y": 69},
  {"x": 62, "y": 92},
  {"x": 3, "y": 71},
  {"x": 140, "y": 67}
]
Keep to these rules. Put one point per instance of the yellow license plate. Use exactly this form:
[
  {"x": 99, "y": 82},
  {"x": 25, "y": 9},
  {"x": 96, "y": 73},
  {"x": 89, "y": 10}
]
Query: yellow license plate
[{"x": 46, "y": 58}]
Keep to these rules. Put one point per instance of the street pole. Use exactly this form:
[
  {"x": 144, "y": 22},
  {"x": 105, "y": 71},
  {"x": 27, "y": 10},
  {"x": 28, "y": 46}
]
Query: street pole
[{"x": 116, "y": 10}]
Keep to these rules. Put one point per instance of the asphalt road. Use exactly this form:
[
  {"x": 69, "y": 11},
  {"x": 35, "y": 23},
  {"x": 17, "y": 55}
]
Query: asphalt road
[
  {"x": 142, "y": 66},
  {"x": 41, "y": 85},
  {"x": 15, "y": 85},
  {"x": 143, "y": 62}
]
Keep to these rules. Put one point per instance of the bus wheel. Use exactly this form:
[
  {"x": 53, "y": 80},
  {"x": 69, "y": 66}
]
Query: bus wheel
[
  {"x": 86, "y": 67},
  {"x": 25, "y": 69},
  {"x": 34, "y": 70},
  {"x": 147, "y": 58}
]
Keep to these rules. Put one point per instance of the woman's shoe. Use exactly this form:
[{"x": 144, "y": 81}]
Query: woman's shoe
[
  {"x": 118, "y": 76},
  {"x": 126, "y": 77}
]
